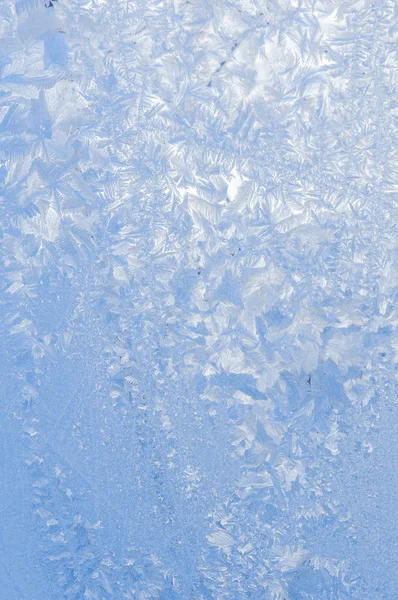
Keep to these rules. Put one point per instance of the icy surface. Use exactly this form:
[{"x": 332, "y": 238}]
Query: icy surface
[{"x": 198, "y": 300}]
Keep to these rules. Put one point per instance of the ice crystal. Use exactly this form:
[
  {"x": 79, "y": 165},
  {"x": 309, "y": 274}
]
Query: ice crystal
[{"x": 198, "y": 263}]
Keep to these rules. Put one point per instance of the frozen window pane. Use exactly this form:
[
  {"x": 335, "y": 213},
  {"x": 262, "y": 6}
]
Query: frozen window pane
[{"x": 198, "y": 262}]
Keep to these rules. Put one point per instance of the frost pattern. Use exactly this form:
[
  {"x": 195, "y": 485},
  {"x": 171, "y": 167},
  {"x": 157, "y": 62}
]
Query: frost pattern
[{"x": 199, "y": 282}]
